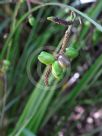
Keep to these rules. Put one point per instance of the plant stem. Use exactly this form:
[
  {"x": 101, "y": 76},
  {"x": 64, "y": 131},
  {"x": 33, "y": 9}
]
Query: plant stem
[{"x": 65, "y": 39}]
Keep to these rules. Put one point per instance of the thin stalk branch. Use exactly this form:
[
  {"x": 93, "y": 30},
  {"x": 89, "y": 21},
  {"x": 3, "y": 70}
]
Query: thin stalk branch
[
  {"x": 65, "y": 39},
  {"x": 47, "y": 74}
]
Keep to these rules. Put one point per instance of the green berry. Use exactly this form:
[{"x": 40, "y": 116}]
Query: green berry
[
  {"x": 71, "y": 52},
  {"x": 46, "y": 58},
  {"x": 57, "y": 71},
  {"x": 31, "y": 20}
]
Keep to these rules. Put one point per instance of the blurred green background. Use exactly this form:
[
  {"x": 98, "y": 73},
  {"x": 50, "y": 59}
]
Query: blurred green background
[{"x": 71, "y": 107}]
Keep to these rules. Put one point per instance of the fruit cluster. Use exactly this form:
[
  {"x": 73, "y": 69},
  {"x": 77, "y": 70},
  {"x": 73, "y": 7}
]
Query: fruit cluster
[{"x": 60, "y": 63}]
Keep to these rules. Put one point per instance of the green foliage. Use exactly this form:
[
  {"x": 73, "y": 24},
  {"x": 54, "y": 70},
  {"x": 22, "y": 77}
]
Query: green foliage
[{"x": 30, "y": 104}]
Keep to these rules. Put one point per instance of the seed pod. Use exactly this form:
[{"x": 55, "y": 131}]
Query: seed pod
[
  {"x": 57, "y": 71},
  {"x": 31, "y": 20},
  {"x": 71, "y": 52},
  {"x": 63, "y": 61},
  {"x": 46, "y": 58}
]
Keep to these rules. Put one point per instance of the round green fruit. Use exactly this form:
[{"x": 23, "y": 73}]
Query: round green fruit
[
  {"x": 71, "y": 52},
  {"x": 57, "y": 71},
  {"x": 46, "y": 58}
]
